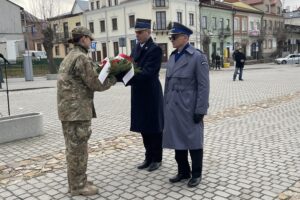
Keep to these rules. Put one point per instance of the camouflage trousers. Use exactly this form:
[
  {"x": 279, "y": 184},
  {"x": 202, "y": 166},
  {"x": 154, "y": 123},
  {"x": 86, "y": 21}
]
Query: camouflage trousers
[{"x": 76, "y": 134}]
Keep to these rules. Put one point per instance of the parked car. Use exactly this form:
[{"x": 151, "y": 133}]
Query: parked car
[
  {"x": 289, "y": 59},
  {"x": 37, "y": 54}
]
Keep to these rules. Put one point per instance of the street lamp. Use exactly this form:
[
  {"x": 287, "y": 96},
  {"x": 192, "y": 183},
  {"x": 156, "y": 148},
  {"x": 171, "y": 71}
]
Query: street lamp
[{"x": 233, "y": 14}]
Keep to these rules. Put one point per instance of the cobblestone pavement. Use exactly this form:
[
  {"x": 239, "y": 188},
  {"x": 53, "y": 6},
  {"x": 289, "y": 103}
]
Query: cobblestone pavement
[{"x": 252, "y": 143}]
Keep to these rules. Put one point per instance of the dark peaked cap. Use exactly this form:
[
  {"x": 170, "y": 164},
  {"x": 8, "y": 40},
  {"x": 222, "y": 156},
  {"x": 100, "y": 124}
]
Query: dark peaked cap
[
  {"x": 142, "y": 24},
  {"x": 178, "y": 28}
]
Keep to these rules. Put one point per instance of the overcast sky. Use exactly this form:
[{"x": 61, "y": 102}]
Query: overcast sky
[{"x": 66, "y": 5}]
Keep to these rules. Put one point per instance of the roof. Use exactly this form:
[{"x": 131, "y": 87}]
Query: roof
[
  {"x": 250, "y": 2},
  {"x": 15, "y": 4},
  {"x": 83, "y": 5},
  {"x": 245, "y": 7}
]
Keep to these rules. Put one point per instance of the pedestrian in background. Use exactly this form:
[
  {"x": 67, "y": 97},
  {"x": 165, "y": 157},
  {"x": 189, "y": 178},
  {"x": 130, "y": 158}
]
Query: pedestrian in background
[
  {"x": 240, "y": 60},
  {"x": 185, "y": 103},
  {"x": 147, "y": 96},
  {"x": 76, "y": 84}
]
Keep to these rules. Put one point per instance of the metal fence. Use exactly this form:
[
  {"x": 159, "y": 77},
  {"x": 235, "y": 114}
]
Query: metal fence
[{"x": 39, "y": 67}]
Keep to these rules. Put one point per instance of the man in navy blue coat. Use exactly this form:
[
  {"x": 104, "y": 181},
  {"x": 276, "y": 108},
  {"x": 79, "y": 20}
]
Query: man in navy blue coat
[{"x": 147, "y": 96}]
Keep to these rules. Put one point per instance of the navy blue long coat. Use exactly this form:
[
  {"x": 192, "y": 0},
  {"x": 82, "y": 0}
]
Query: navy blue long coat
[{"x": 146, "y": 90}]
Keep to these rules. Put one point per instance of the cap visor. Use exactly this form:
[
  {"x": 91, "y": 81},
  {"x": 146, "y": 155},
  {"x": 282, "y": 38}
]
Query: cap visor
[{"x": 140, "y": 29}]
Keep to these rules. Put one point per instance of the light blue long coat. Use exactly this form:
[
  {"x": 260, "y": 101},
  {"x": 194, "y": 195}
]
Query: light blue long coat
[{"x": 186, "y": 93}]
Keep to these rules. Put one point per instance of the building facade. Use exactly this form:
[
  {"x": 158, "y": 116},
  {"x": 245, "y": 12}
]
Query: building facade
[
  {"x": 292, "y": 25},
  {"x": 11, "y": 33},
  {"x": 216, "y": 29},
  {"x": 112, "y": 23}
]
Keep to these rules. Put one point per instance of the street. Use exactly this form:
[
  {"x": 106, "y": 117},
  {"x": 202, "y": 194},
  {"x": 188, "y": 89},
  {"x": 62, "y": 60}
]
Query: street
[{"x": 252, "y": 142}]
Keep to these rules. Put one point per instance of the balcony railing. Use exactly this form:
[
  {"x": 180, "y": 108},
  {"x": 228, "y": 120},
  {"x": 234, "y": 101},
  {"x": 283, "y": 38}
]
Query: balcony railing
[
  {"x": 160, "y": 27},
  {"x": 160, "y": 3},
  {"x": 224, "y": 31},
  {"x": 254, "y": 33},
  {"x": 62, "y": 37}
]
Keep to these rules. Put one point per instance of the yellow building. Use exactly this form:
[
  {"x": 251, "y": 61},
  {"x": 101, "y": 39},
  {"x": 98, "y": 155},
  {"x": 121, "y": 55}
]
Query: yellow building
[{"x": 63, "y": 25}]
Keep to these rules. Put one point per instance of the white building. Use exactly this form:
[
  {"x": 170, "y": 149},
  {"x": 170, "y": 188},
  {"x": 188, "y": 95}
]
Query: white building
[
  {"x": 112, "y": 23},
  {"x": 11, "y": 33}
]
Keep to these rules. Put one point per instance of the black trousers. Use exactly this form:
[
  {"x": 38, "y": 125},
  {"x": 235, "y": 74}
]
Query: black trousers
[
  {"x": 181, "y": 157},
  {"x": 153, "y": 146}
]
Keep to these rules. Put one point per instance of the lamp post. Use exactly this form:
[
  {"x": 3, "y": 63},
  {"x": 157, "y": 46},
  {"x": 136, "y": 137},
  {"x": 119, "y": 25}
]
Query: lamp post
[{"x": 233, "y": 14}]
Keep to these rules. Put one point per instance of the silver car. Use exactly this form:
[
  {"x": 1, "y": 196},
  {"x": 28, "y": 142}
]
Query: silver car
[{"x": 289, "y": 59}]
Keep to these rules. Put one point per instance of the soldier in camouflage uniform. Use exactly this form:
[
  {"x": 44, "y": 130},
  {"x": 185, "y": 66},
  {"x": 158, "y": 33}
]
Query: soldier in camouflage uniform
[{"x": 76, "y": 84}]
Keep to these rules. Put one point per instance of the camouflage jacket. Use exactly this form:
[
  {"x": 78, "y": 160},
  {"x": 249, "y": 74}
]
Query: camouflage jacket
[{"x": 76, "y": 83}]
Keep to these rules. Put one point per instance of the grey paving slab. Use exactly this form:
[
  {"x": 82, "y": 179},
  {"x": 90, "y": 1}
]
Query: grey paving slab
[{"x": 247, "y": 156}]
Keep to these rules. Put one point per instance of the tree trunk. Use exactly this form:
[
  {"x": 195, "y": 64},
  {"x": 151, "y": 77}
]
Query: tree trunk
[{"x": 48, "y": 45}]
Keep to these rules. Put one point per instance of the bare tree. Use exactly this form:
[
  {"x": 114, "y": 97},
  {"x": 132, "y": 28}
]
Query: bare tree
[{"x": 46, "y": 10}]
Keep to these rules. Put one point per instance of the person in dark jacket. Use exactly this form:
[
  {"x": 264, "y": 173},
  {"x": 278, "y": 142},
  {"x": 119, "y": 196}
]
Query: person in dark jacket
[
  {"x": 240, "y": 59},
  {"x": 147, "y": 96},
  {"x": 185, "y": 104}
]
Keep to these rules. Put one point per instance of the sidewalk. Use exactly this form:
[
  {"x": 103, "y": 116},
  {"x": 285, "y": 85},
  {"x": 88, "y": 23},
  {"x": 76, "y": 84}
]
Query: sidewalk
[{"x": 251, "y": 143}]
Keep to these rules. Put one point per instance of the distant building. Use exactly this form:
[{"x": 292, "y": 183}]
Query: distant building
[
  {"x": 112, "y": 22},
  {"x": 292, "y": 25},
  {"x": 11, "y": 33}
]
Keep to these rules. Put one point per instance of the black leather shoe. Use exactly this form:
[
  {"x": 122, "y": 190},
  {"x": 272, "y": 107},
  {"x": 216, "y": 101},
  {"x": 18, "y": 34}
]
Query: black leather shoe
[
  {"x": 144, "y": 165},
  {"x": 179, "y": 177},
  {"x": 193, "y": 182},
  {"x": 154, "y": 166}
]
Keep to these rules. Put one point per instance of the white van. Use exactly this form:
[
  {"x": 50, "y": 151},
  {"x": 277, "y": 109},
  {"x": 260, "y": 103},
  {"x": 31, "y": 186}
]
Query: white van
[{"x": 36, "y": 54}]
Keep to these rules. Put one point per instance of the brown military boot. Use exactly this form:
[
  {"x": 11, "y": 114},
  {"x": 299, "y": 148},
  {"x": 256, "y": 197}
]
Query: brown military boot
[
  {"x": 88, "y": 190},
  {"x": 88, "y": 183}
]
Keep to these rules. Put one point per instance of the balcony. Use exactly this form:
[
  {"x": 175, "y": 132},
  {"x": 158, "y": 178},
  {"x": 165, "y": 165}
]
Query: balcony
[
  {"x": 224, "y": 32},
  {"x": 160, "y": 27},
  {"x": 254, "y": 33},
  {"x": 160, "y": 4},
  {"x": 61, "y": 37}
]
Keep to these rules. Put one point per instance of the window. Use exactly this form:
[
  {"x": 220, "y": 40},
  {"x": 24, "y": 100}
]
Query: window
[
  {"x": 236, "y": 24},
  {"x": 98, "y": 4},
  {"x": 78, "y": 24},
  {"x": 66, "y": 49},
  {"x": 116, "y": 2},
  {"x": 116, "y": 48},
  {"x": 109, "y": 3},
  {"x": 57, "y": 50},
  {"x": 91, "y": 25},
  {"x": 204, "y": 22},
  {"x": 102, "y": 26},
  {"x": 214, "y": 23},
  {"x": 257, "y": 25},
  {"x": 251, "y": 26},
  {"x": 161, "y": 23},
  {"x": 114, "y": 24},
  {"x": 66, "y": 29},
  {"x": 244, "y": 24},
  {"x": 39, "y": 46},
  {"x": 227, "y": 23},
  {"x": 267, "y": 8},
  {"x": 270, "y": 25},
  {"x": 265, "y": 24},
  {"x": 193, "y": 44},
  {"x": 131, "y": 21},
  {"x": 160, "y": 3},
  {"x": 92, "y": 5},
  {"x": 179, "y": 17},
  {"x": 132, "y": 44},
  {"x": 191, "y": 15},
  {"x": 104, "y": 50},
  {"x": 265, "y": 44},
  {"x": 55, "y": 28},
  {"x": 221, "y": 23},
  {"x": 278, "y": 10},
  {"x": 270, "y": 44}
]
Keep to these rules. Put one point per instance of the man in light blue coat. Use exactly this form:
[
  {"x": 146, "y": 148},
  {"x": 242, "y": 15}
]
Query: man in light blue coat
[{"x": 186, "y": 103}]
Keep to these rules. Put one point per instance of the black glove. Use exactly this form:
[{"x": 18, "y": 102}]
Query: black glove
[
  {"x": 120, "y": 76},
  {"x": 198, "y": 118}
]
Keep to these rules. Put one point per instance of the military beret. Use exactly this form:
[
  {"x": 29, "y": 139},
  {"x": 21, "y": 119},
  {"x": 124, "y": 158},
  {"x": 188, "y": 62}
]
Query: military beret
[
  {"x": 178, "y": 28},
  {"x": 81, "y": 31},
  {"x": 142, "y": 24}
]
